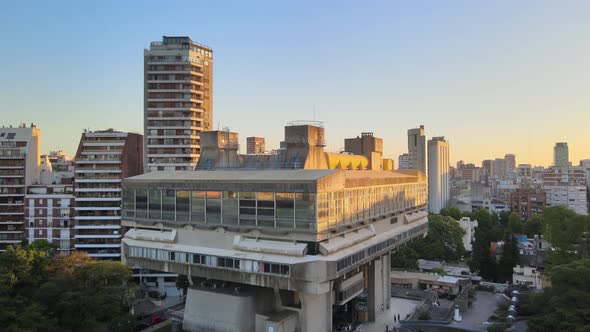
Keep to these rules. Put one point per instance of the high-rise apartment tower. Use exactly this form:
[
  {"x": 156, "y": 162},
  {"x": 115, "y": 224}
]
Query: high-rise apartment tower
[
  {"x": 417, "y": 149},
  {"x": 561, "y": 155},
  {"x": 178, "y": 102},
  {"x": 438, "y": 174}
]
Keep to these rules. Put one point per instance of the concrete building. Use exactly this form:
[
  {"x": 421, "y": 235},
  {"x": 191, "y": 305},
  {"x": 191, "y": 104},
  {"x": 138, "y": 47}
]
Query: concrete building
[
  {"x": 525, "y": 171},
  {"x": 417, "y": 149},
  {"x": 404, "y": 162},
  {"x": 178, "y": 102},
  {"x": 566, "y": 186},
  {"x": 469, "y": 173},
  {"x": 486, "y": 167},
  {"x": 366, "y": 145},
  {"x": 561, "y": 155},
  {"x": 272, "y": 245},
  {"x": 527, "y": 203},
  {"x": 19, "y": 168},
  {"x": 102, "y": 160},
  {"x": 468, "y": 226},
  {"x": 438, "y": 174},
  {"x": 255, "y": 145}
]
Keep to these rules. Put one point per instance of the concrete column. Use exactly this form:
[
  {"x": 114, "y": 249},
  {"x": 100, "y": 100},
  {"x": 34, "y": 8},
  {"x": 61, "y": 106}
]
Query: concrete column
[
  {"x": 316, "y": 312},
  {"x": 375, "y": 291},
  {"x": 387, "y": 279}
]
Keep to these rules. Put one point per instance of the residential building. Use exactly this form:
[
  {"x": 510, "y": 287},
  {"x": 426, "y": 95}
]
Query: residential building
[
  {"x": 561, "y": 156},
  {"x": 510, "y": 160},
  {"x": 274, "y": 244},
  {"x": 527, "y": 203},
  {"x": 498, "y": 170},
  {"x": 417, "y": 149},
  {"x": 566, "y": 186},
  {"x": 49, "y": 215},
  {"x": 19, "y": 168},
  {"x": 404, "y": 162},
  {"x": 178, "y": 102},
  {"x": 486, "y": 167},
  {"x": 469, "y": 173},
  {"x": 468, "y": 226},
  {"x": 525, "y": 171},
  {"x": 438, "y": 174},
  {"x": 102, "y": 160},
  {"x": 255, "y": 145}
]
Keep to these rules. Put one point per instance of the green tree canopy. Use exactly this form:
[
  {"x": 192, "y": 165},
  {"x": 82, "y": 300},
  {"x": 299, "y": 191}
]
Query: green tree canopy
[
  {"x": 567, "y": 232},
  {"x": 405, "y": 258},
  {"x": 444, "y": 240}
]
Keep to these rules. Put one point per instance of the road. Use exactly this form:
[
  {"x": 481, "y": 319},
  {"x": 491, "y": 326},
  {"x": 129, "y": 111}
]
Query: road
[{"x": 483, "y": 307}]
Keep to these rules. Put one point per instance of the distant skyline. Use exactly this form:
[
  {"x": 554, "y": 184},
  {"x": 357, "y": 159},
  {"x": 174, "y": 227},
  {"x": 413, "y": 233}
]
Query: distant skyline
[{"x": 492, "y": 77}]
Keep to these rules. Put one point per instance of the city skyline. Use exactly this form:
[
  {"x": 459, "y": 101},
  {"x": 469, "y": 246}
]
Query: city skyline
[{"x": 418, "y": 66}]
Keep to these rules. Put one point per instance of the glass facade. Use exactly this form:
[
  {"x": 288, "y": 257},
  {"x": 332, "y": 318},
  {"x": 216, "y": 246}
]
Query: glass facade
[{"x": 305, "y": 211}]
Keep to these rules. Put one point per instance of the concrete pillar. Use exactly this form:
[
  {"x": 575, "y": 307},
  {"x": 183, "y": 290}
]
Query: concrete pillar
[
  {"x": 316, "y": 312},
  {"x": 375, "y": 291},
  {"x": 387, "y": 279}
]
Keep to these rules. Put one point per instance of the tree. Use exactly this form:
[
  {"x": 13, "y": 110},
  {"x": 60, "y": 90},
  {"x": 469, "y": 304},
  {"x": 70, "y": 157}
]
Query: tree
[
  {"x": 405, "y": 258},
  {"x": 534, "y": 226},
  {"x": 183, "y": 283},
  {"x": 444, "y": 240},
  {"x": 509, "y": 258},
  {"x": 486, "y": 232},
  {"x": 568, "y": 234},
  {"x": 514, "y": 224},
  {"x": 566, "y": 305},
  {"x": 452, "y": 212}
]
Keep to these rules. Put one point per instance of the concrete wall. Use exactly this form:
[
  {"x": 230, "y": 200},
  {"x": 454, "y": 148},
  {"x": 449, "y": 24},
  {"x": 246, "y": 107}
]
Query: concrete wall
[{"x": 224, "y": 310}]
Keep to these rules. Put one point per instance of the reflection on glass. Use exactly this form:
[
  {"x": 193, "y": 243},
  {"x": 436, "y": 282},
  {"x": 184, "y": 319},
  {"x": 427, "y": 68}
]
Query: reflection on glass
[{"x": 155, "y": 203}]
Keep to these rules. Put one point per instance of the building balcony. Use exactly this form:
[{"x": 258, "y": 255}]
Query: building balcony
[
  {"x": 98, "y": 236},
  {"x": 103, "y": 143},
  {"x": 97, "y": 208},
  {"x": 97, "y": 171},
  {"x": 111, "y": 161},
  {"x": 89, "y": 246},
  {"x": 101, "y": 255},
  {"x": 96, "y": 190},
  {"x": 116, "y": 218},
  {"x": 101, "y": 226},
  {"x": 95, "y": 180},
  {"x": 98, "y": 199}
]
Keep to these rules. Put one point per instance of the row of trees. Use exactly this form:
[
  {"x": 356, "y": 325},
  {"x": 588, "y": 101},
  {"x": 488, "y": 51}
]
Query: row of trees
[{"x": 44, "y": 291}]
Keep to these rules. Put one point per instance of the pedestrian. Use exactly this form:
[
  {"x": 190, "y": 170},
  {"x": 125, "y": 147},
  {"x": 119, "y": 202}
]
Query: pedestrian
[
  {"x": 382, "y": 307},
  {"x": 399, "y": 320},
  {"x": 386, "y": 328}
]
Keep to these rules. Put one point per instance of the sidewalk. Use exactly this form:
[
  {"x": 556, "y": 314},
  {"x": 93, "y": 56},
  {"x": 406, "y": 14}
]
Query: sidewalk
[{"x": 399, "y": 306}]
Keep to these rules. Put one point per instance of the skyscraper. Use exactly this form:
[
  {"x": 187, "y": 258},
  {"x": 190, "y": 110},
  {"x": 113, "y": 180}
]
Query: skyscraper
[
  {"x": 178, "y": 102},
  {"x": 103, "y": 160},
  {"x": 438, "y": 174},
  {"x": 561, "y": 155},
  {"x": 510, "y": 160},
  {"x": 255, "y": 145},
  {"x": 417, "y": 149},
  {"x": 19, "y": 168}
]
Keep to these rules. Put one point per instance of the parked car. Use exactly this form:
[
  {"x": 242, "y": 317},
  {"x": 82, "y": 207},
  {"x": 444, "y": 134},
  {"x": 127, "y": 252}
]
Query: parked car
[{"x": 157, "y": 319}]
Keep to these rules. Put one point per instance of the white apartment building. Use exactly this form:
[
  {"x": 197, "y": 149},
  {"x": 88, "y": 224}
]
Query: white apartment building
[
  {"x": 417, "y": 149},
  {"x": 566, "y": 186},
  {"x": 468, "y": 226},
  {"x": 438, "y": 174},
  {"x": 103, "y": 159}
]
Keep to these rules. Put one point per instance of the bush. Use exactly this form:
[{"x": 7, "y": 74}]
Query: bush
[
  {"x": 497, "y": 327},
  {"x": 483, "y": 288},
  {"x": 424, "y": 315}
]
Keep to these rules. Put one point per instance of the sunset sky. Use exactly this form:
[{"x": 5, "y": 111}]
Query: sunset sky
[{"x": 494, "y": 77}]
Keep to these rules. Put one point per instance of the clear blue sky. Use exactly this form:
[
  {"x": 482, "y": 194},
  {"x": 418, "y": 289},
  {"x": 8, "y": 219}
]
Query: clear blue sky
[{"x": 494, "y": 77}]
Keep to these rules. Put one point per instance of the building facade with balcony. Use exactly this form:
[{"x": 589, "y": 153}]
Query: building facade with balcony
[
  {"x": 178, "y": 102},
  {"x": 255, "y": 145},
  {"x": 288, "y": 241},
  {"x": 19, "y": 168},
  {"x": 103, "y": 160},
  {"x": 566, "y": 186}
]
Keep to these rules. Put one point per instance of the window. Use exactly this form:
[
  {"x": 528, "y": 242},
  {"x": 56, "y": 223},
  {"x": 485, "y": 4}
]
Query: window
[
  {"x": 129, "y": 202},
  {"x": 305, "y": 211},
  {"x": 230, "y": 207},
  {"x": 155, "y": 204},
  {"x": 265, "y": 209},
  {"x": 141, "y": 203},
  {"x": 285, "y": 210},
  {"x": 198, "y": 199},
  {"x": 213, "y": 210},
  {"x": 182, "y": 205},
  {"x": 168, "y": 205},
  {"x": 247, "y": 208}
]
